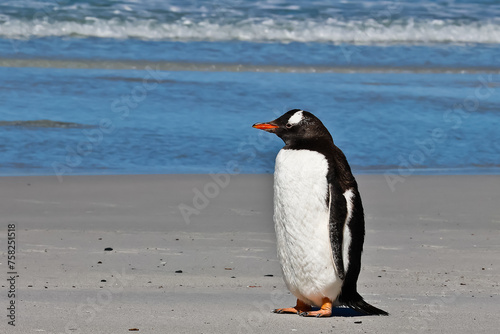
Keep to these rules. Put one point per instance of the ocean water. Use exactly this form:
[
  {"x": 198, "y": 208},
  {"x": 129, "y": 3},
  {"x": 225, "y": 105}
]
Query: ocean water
[{"x": 145, "y": 86}]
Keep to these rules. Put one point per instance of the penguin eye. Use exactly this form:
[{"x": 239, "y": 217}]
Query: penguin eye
[{"x": 288, "y": 125}]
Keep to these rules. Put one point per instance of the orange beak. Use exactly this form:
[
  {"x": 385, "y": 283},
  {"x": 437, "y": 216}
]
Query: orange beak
[{"x": 265, "y": 126}]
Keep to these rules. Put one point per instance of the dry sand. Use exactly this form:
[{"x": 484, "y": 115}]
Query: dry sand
[{"x": 431, "y": 256}]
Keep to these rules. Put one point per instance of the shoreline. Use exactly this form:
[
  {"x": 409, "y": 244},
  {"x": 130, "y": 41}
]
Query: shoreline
[
  {"x": 234, "y": 67},
  {"x": 435, "y": 171}
]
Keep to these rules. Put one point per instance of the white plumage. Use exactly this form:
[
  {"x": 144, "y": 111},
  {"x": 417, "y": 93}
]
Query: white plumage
[
  {"x": 296, "y": 118},
  {"x": 347, "y": 237},
  {"x": 301, "y": 217}
]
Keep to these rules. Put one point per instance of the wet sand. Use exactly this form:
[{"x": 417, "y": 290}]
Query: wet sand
[{"x": 431, "y": 255}]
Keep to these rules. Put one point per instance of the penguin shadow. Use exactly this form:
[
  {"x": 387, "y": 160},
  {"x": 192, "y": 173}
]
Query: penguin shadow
[{"x": 346, "y": 312}]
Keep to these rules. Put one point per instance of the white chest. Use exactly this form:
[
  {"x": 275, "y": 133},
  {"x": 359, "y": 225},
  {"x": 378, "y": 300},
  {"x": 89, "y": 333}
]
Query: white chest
[{"x": 301, "y": 217}]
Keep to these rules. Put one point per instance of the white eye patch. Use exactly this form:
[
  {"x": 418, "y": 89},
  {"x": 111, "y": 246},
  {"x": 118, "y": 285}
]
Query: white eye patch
[{"x": 296, "y": 118}]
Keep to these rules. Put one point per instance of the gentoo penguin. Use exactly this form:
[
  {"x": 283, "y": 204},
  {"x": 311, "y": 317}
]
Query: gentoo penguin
[{"x": 318, "y": 217}]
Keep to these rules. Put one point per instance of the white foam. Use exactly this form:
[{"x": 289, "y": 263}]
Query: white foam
[{"x": 260, "y": 30}]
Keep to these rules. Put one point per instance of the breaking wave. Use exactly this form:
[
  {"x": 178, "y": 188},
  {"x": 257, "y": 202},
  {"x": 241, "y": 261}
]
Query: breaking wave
[{"x": 370, "y": 31}]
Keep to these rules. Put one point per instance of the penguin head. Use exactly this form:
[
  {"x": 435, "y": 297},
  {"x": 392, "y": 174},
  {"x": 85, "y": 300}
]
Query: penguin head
[{"x": 296, "y": 126}]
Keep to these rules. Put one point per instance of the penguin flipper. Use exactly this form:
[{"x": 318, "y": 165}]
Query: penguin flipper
[{"x": 338, "y": 213}]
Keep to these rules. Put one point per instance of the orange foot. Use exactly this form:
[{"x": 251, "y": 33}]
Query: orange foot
[
  {"x": 300, "y": 308},
  {"x": 324, "y": 311}
]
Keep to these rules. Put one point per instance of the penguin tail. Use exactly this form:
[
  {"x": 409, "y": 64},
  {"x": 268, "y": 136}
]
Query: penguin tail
[{"x": 357, "y": 303}]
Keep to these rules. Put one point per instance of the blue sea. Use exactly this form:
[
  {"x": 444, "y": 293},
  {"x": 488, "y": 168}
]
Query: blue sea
[{"x": 150, "y": 86}]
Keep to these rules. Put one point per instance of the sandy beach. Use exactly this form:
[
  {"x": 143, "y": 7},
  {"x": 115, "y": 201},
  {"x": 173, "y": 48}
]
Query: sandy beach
[{"x": 194, "y": 254}]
